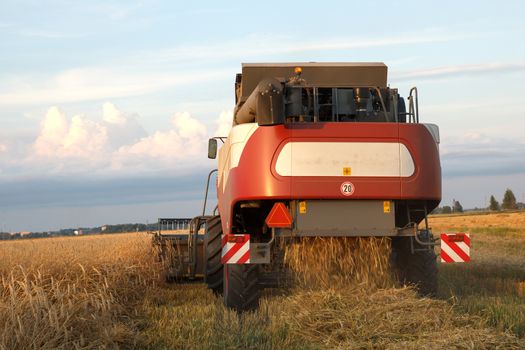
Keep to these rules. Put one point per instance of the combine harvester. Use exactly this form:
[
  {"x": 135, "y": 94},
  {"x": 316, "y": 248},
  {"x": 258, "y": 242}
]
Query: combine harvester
[{"x": 316, "y": 150}]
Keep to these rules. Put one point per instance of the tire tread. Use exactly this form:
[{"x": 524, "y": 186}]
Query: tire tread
[
  {"x": 418, "y": 268},
  {"x": 213, "y": 274}
]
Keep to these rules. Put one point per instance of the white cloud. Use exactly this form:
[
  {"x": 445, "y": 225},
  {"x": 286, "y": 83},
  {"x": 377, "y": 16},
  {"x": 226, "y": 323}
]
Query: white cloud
[
  {"x": 160, "y": 144},
  {"x": 123, "y": 129},
  {"x": 112, "y": 115},
  {"x": 54, "y": 128},
  {"x": 62, "y": 138},
  {"x": 224, "y": 123},
  {"x": 114, "y": 145},
  {"x": 184, "y": 141},
  {"x": 85, "y": 137},
  {"x": 188, "y": 127},
  {"x": 81, "y": 137}
]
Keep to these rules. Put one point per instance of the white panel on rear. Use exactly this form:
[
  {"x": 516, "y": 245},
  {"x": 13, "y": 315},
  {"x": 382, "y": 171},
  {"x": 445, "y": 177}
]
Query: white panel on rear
[{"x": 330, "y": 158}]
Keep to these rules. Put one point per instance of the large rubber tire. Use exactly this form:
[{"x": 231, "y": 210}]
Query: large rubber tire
[
  {"x": 241, "y": 286},
  {"x": 418, "y": 268},
  {"x": 213, "y": 270}
]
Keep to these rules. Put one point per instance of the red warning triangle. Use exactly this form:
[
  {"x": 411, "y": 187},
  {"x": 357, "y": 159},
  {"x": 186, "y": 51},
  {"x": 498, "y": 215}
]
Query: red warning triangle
[{"x": 279, "y": 216}]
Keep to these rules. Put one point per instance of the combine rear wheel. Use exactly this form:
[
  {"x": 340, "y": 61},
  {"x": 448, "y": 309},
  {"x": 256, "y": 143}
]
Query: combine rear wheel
[
  {"x": 241, "y": 286},
  {"x": 418, "y": 268},
  {"x": 213, "y": 275}
]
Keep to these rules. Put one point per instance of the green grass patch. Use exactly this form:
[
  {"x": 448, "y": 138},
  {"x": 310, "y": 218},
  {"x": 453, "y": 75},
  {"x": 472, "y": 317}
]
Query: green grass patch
[{"x": 492, "y": 285}]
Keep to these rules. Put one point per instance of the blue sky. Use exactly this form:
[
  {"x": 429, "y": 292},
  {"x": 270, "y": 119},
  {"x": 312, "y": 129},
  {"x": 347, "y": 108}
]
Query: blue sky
[{"x": 105, "y": 107}]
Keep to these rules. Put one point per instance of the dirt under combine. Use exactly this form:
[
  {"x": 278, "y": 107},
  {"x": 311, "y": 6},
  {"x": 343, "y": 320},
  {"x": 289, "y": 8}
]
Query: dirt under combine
[{"x": 324, "y": 150}]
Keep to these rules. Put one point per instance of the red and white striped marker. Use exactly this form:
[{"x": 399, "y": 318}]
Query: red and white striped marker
[
  {"x": 235, "y": 249},
  {"x": 455, "y": 247}
]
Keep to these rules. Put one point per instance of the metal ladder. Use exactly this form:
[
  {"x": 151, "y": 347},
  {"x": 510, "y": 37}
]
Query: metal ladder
[
  {"x": 413, "y": 106},
  {"x": 423, "y": 237}
]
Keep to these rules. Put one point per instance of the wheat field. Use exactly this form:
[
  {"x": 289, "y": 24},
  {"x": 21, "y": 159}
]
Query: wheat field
[
  {"x": 513, "y": 220},
  {"x": 73, "y": 292},
  {"x": 106, "y": 292}
]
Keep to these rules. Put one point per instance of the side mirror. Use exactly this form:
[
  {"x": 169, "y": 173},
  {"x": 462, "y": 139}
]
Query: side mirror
[{"x": 212, "y": 148}]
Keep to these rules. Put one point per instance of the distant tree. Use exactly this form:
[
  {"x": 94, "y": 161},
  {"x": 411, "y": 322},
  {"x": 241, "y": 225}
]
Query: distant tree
[
  {"x": 458, "y": 208},
  {"x": 494, "y": 205},
  {"x": 446, "y": 209},
  {"x": 509, "y": 200}
]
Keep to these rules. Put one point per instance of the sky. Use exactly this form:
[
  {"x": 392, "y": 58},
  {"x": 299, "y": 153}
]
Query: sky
[{"x": 106, "y": 106}]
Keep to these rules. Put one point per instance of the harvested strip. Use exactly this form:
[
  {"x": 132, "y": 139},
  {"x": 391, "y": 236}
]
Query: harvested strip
[{"x": 328, "y": 261}]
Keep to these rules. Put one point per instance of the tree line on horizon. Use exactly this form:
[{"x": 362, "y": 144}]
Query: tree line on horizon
[
  {"x": 105, "y": 229},
  {"x": 508, "y": 202}
]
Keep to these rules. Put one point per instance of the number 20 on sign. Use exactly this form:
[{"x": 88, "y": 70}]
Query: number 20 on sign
[{"x": 347, "y": 188}]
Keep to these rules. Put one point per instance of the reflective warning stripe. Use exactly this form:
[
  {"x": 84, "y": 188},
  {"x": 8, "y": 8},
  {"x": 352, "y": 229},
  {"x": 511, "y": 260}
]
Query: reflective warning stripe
[
  {"x": 455, "y": 247},
  {"x": 235, "y": 249}
]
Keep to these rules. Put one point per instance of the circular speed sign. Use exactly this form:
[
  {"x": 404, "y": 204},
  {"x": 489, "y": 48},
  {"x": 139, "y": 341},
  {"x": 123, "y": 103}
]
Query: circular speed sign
[{"x": 347, "y": 188}]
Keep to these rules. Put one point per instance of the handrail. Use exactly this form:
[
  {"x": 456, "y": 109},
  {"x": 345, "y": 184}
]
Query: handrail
[
  {"x": 207, "y": 188},
  {"x": 413, "y": 113}
]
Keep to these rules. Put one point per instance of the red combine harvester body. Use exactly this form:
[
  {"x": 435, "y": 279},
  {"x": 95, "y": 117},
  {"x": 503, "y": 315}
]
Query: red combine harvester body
[
  {"x": 317, "y": 150},
  {"x": 256, "y": 175}
]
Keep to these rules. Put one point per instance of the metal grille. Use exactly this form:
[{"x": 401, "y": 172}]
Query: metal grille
[{"x": 171, "y": 224}]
